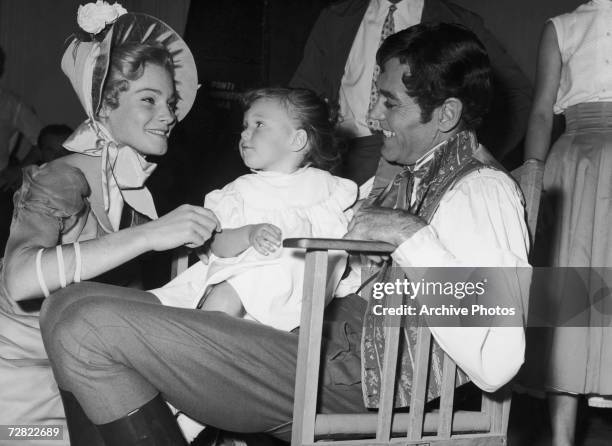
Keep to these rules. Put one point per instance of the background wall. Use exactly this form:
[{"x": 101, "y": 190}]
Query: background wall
[
  {"x": 33, "y": 35},
  {"x": 518, "y": 23},
  {"x": 237, "y": 44}
]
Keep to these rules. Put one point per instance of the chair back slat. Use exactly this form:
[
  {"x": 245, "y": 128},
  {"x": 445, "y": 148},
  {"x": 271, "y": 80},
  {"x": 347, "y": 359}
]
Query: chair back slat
[
  {"x": 497, "y": 407},
  {"x": 487, "y": 407},
  {"x": 309, "y": 348},
  {"x": 180, "y": 262},
  {"x": 389, "y": 370},
  {"x": 419, "y": 383},
  {"x": 447, "y": 397},
  {"x": 505, "y": 415}
]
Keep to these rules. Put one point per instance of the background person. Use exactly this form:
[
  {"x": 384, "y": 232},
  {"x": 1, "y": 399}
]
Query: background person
[
  {"x": 19, "y": 128},
  {"x": 574, "y": 78},
  {"x": 339, "y": 63}
]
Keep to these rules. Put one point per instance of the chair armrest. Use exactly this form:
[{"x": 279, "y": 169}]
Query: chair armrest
[{"x": 333, "y": 244}]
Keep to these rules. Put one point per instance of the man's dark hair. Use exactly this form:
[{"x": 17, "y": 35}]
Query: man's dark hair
[{"x": 446, "y": 61}]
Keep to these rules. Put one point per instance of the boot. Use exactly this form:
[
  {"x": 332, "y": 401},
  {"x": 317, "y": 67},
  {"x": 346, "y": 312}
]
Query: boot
[
  {"x": 150, "y": 425},
  {"x": 80, "y": 428}
]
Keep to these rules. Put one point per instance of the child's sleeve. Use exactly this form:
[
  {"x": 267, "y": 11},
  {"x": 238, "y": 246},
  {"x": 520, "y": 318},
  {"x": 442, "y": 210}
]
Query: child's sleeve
[
  {"x": 228, "y": 206},
  {"x": 345, "y": 193}
]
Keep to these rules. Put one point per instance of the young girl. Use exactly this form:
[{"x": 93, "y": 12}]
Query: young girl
[{"x": 287, "y": 143}]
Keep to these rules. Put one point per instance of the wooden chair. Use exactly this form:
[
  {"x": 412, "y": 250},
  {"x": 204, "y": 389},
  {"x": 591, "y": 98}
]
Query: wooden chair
[
  {"x": 444, "y": 426},
  {"x": 180, "y": 261}
]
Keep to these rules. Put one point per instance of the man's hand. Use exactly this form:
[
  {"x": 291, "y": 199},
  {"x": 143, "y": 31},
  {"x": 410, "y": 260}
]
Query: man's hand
[
  {"x": 265, "y": 238},
  {"x": 383, "y": 225},
  {"x": 358, "y": 205}
]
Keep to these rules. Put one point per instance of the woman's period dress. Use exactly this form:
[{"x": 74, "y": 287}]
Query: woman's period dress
[
  {"x": 51, "y": 208},
  {"x": 578, "y": 187}
]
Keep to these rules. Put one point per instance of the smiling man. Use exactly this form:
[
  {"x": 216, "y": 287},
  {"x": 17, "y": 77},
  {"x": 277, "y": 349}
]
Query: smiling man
[
  {"x": 339, "y": 63},
  {"x": 447, "y": 206}
]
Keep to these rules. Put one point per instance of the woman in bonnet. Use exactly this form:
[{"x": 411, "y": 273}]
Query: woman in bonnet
[{"x": 135, "y": 77}]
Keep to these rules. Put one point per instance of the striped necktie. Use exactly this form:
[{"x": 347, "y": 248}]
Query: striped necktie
[{"x": 387, "y": 29}]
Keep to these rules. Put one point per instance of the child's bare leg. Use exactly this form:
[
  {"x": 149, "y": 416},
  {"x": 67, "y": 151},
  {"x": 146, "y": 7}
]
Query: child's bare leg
[{"x": 223, "y": 297}]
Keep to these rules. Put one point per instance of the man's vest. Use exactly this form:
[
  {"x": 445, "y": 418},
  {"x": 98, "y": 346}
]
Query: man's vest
[{"x": 455, "y": 159}]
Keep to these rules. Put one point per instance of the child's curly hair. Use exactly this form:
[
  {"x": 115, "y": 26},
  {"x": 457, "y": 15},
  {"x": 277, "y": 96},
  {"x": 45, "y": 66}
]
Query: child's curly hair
[{"x": 312, "y": 114}]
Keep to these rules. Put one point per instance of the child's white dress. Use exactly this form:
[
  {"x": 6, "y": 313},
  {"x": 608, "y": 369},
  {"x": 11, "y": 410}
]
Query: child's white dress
[{"x": 307, "y": 203}]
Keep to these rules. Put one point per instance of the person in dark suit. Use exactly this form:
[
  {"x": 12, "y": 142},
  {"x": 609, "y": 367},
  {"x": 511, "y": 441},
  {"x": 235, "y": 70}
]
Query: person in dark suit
[{"x": 345, "y": 32}]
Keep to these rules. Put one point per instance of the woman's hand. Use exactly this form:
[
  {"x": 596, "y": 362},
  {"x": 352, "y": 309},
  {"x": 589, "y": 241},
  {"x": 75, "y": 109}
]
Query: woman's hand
[
  {"x": 187, "y": 225},
  {"x": 265, "y": 238}
]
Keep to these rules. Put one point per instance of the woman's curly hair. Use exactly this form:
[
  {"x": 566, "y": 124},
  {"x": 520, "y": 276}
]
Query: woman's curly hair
[{"x": 127, "y": 63}]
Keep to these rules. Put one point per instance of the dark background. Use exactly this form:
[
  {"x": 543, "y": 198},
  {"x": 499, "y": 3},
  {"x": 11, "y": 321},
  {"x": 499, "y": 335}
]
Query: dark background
[
  {"x": 240, "y": 44},
  {"x": 237, "y": 44}
]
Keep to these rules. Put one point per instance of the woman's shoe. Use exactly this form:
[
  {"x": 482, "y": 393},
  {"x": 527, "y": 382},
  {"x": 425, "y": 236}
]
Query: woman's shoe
[{"x": 150, "y": 425}]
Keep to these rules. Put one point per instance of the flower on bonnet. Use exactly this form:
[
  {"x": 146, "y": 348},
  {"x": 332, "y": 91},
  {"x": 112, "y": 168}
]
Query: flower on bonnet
[{"x": 93, "y": 17}]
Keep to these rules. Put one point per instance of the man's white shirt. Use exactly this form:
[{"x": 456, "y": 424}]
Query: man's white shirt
[{"x": 479, "y": 222}]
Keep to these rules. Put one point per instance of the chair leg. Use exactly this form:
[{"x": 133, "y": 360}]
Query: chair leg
[
  {"x": 80, "y": 428},
  {"x": 150, "y": 425}
]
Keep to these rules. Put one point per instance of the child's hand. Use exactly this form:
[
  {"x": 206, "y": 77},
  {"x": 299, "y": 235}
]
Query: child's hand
[
  {"x": 265, "y": 238},
  {"x": 358, "y": 204}
]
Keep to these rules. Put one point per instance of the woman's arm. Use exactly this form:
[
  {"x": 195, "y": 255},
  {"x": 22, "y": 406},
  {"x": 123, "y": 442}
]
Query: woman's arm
[
  {"x": 548, "y": 75},
  {"x": 187, "y": 225}
]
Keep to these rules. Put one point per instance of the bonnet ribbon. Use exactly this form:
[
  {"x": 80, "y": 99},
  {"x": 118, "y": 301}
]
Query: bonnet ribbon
[{"x": 124, "y": 170}]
